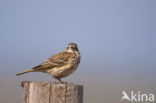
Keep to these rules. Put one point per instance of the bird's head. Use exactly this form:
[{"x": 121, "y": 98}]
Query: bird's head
[{"x": 72, "y": 47}]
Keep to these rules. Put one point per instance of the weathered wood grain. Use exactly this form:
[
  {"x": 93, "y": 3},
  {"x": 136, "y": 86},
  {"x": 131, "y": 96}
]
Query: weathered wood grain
[{"x": 40, "y": 92}]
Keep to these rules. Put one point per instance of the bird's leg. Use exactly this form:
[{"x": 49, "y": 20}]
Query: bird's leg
[{"x": 60, "y": 80}]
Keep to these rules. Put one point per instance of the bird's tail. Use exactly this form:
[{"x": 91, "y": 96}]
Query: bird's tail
[{"x": 27, "y": 71}]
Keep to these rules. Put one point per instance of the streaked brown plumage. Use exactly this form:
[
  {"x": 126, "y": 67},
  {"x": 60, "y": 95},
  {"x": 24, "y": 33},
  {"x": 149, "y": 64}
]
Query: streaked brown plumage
[{"x": 59, "y": 65}]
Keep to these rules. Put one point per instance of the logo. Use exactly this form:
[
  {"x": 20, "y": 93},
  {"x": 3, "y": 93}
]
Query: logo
[{"x": 137, "y": 97}]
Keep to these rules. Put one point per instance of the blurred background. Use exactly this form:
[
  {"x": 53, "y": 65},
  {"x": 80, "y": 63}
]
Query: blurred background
[{"x": 116, "y": 38}]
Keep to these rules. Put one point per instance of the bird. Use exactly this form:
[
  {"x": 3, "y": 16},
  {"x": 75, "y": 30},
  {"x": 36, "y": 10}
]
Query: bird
[
  {"x": 59, "y": 65},
  {"x": 125, "y": 96}
]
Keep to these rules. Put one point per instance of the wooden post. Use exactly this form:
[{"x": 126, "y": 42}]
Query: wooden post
[{"x": 41, "y": 92}]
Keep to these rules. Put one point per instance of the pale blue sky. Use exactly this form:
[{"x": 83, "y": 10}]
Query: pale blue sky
[{"x": 116, "y": 39}]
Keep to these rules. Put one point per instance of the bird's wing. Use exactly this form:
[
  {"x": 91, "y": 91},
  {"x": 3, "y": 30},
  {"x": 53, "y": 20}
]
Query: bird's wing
[
  {"x": 124, "y": 93},
  {"x": 56, "y": 60}
]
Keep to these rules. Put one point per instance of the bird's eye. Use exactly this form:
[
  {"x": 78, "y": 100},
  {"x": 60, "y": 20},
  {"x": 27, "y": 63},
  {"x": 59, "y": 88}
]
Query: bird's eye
[{"x": 72, "y": 47}]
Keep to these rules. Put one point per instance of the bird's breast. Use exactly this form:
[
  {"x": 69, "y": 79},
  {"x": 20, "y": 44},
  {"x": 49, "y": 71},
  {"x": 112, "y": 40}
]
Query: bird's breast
[{"x": 67, "y": 69}]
